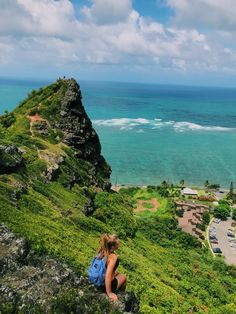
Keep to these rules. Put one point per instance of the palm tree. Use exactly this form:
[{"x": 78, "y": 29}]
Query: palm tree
[{"x": 206, "y": 184}]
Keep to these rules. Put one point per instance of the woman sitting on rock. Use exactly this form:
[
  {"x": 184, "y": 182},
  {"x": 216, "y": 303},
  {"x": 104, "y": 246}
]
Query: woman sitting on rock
[{"x": 112, "y": 280}]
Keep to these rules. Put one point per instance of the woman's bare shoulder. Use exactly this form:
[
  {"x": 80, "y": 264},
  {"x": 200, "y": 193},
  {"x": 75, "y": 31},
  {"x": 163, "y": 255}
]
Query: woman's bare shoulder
[{"x": 112, "y": 257}]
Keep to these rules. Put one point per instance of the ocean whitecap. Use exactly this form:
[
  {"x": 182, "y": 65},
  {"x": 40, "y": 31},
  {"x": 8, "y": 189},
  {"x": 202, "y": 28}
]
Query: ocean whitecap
[
  {"x": 184, "y": 126},
  {"x": 128, "y": 124},
  {"x": 121, "y": 122}
]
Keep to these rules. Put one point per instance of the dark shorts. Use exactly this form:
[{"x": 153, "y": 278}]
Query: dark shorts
[{"x": 114, "y": 285}]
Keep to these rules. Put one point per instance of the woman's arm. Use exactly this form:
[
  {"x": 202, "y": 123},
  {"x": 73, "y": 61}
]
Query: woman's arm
[{"x": 109, "y": 276}]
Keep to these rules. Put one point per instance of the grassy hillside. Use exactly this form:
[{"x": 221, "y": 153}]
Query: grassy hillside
[{"x": 54, "y": 190}]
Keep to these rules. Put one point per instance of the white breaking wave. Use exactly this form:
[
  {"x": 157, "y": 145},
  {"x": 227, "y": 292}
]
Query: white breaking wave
[
  {"x": 124, "y": 124},
  {"x": 121, "y": 122},
  {"x": 127, "y": 124},
  {"x": 181, "y": 126}
]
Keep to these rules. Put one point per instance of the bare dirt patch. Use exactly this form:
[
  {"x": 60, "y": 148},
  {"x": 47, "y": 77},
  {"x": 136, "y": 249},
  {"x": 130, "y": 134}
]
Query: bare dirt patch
[
  {"x": 34, "y": 119},
  {"x": 143, "y": 205}
]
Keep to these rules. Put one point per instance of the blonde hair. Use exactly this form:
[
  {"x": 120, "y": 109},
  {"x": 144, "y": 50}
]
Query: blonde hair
[{"x": 107, "y": 241}]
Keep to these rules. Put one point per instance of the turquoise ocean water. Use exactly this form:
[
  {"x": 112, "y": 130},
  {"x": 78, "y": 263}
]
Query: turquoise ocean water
[{"x": 150, "y": 133}]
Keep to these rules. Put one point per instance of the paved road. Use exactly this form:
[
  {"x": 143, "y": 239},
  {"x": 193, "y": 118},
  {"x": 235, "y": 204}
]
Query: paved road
[{"x": 221, "y": 234}]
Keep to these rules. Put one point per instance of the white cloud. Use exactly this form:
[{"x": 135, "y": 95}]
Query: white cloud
[
  {"x": 210, "y": 14},
  {"x": 47, "y": 34},
  {"x": 108, "y": 11},
  {"x": 43, "y": 17}
]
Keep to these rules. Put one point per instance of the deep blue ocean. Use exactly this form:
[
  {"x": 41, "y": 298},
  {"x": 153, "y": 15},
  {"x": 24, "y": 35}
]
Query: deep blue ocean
[{"x": 150, "y": 133}]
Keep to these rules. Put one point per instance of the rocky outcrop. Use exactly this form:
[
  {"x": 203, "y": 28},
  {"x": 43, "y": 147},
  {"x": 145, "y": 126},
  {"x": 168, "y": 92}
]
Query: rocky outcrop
[
  {"x": 40, "y": 284},
  {"x": 10, "y": 158},
  {"x": 53, "y": 162},
  {"x": 40, "y": 127},
  {"x": 74, "y": 123},
  {"x": 75, "y": 127}
]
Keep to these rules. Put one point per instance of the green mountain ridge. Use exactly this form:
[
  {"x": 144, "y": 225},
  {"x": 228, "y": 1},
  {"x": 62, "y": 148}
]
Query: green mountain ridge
[{"x": 55, "y": 192}]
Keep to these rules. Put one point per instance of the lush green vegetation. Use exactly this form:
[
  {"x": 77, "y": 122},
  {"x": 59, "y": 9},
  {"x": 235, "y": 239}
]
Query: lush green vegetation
[
  {"x": 223, "y": 210},
  {"x": 121, "y": 216},
  {"x": 136, "y": 193},
  {"x": 169, "y": 271},
  {"x": 211, "y": 185},
  {"x": 206, "y": 217}
]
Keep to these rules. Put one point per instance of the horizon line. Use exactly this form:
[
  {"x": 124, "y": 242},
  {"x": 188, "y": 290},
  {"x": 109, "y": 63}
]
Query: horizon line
[{"x": 53, "y": 79}]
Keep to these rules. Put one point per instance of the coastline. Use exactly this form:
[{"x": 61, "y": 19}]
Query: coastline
[{"x": 116, "y": 187}]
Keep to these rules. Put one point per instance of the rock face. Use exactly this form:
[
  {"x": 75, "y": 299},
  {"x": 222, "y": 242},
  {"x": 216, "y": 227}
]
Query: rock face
[
  {"x": 10, "y": 158},
  {"x": 40, "y": 284},
  {"x": 72, "y": 122}
]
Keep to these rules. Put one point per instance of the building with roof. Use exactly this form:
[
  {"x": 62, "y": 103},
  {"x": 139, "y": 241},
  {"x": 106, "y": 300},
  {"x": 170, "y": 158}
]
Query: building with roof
[{"x": 189, "y": 192}]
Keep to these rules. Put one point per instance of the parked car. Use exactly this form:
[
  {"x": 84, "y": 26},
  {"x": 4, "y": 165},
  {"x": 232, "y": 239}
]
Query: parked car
[
  {"x": 212, "y": 231},
  {"x": 215, "y": 241},
  {"x": 212, "y": 234},
  {"x": 230, "y": 234},
  {"x": 217, "y": 250}
]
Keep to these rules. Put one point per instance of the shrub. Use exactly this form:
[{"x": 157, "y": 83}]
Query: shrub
[
  {"x": 180, "y": 212},
  {"x": 7, "y": 120},
  {"x": 206, "y": 218},
  {"x": 222, "y": 211},
  {"x": 224, "y": 202},
  {"x": 202, "y": 227},
  {"x": 116, "y": 211},
  {"x": 213, "y": 186},
  {"x": 151, "y": 188},
  {"x": 164, "y": 231},
  {"x": 129, "y": 191},
  {"x": 33, "y": 111}
]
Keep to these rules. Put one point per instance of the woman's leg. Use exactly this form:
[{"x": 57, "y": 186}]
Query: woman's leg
[{"x": 121, "y": 279}]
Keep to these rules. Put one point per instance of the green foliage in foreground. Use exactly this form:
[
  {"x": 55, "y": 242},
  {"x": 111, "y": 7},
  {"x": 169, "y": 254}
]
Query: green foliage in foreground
[
  {"x": 68, "y": 301},
  {"x": 169, "y": 270}
]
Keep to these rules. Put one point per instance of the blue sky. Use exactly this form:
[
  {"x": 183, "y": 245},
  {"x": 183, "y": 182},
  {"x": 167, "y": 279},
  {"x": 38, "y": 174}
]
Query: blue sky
[{"x": 158, "y": 41}]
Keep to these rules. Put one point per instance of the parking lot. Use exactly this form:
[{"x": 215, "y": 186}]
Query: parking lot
[{"x": 226, "y": 243}]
